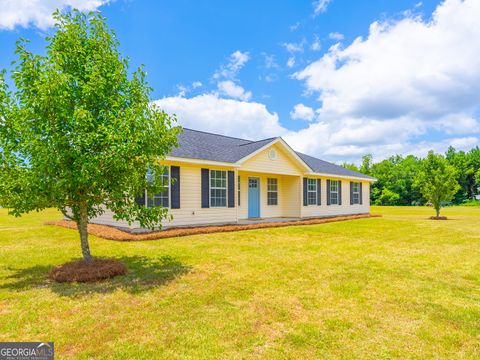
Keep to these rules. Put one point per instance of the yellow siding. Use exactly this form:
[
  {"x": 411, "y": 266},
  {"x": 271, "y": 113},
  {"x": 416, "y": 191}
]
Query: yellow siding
[
  {"x": 345, "y": 208},
  {"x": 290, "y": 194},
  {"x": 191, "y": 211},
  {"x": 261, "y": 163},
  {"x": 107, "y": 219},
  {"x": 288, "y": 205}
]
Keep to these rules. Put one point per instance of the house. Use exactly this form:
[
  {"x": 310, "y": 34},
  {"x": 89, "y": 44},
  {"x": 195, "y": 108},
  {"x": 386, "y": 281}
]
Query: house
[{"x": 221, "y": 180}]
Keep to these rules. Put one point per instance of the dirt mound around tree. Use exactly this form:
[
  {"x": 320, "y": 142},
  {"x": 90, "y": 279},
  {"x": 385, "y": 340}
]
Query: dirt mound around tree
[
  {"x": 438, "y": 218},
  {"x": 83, "y": 271}
]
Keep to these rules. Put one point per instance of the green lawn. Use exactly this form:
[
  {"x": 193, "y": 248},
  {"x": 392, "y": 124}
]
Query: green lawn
[{"x": 400, "y": 286}]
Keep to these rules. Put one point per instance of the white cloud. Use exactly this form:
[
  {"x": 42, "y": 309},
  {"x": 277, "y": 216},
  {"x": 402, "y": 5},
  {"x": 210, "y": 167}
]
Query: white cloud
[
  {"x": 316, "y": 45},
  {"x": 320, "y": 6},
  {"x": 209, "y": 112},
  {"x": 458, "y": 124},
  {"x": 38, "y": 13},
  {"x": 302, "y": 112},
  {"x": 230, "y": 89},
  {"x": 182, "y": 90},
  {"x": 226, "y": 76},
  {"x": 196, "y": 84},
  {"x": 295, "y": 26},
  {"x": 413, "y": 67},
  {"x": 385, "y": 92},
  {"x": 236, "y": 62},
  {"x": 336, "y": 36},
  {"x": 291, "y": 62},
  {"x": 350, "y": 138},
  {"x": 270, "y": 62},
  {"x": 294, "y": 47}
]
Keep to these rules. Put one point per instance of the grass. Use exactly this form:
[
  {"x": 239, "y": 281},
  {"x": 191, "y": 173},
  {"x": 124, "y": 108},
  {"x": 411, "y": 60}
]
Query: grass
[{"x": 400, "y": 286}]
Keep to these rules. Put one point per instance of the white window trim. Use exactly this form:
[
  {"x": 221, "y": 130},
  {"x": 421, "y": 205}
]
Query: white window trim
[
  {"x": 270, "y": 191},
  {"x": 169, "y": 192},
  {"x": 334, "y": 192},
  {"x": 217, "y": 188},
  {"x": 238, "y": 190},
  {"x": 355, "y": 193},
  {"x": 312, "y": 191}
]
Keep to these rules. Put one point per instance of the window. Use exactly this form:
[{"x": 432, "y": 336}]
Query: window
[
  {"x": 311, "y": 191},
  {"x": 334, "y": 192},
  {"x": 272, "y": 192},
  {"x": 161, "y": 199},
  {"x": 356, "y": 193},
  {"x": 238, "y": 187},
  {"x": 218, "y": 188}
]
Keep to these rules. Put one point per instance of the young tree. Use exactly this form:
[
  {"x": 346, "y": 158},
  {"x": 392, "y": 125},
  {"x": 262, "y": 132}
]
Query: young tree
[
  {"x": 79, "y": 133},
  {"x": 477, "y": 181},
  {"x": 437, "y": 180}
]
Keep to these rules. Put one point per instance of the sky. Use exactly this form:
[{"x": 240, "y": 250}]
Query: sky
[{"x": 337, "y": 79}]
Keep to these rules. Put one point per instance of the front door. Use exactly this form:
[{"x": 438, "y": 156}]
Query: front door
[{"x": 253, "y": 197}]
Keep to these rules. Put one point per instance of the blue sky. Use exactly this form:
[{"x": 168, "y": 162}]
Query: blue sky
[{"x": 337, "y": 79}]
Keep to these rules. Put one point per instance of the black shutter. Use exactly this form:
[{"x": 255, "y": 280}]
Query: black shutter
[
  {"x": 351, "y": 192},
  {"x": 339, "y": 192},
  {"x": 175, "y": 187},
  {"x": 140, "y": 200},
  {"x": 231, "y": 189},
  {"x": 305, "y": 200},
  {"x": 361, "y": 194},
  {"x": 319, "y": 192},
  {"x": 205, "y": 188},
  {"x": 328, "y": 192}
]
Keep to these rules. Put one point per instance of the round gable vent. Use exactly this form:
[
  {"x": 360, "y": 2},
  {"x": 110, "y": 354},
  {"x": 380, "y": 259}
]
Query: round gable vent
[{"x": 272, "y": 154}]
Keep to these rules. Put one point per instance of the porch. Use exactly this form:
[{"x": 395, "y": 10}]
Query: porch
[
  {"x": 267, "y": 197},
  {"x": 266, "y": 220}
]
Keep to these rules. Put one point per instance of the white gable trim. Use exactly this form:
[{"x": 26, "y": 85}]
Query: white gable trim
[{"x": 287, "y": 147}]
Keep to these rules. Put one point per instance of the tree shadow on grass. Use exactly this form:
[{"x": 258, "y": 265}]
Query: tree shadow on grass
[{"x": 143, "y": 274}]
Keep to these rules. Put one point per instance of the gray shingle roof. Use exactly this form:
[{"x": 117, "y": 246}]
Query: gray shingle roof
[
  {"x": 194, "y": 144},
  {"x": 324, "y": 167}
]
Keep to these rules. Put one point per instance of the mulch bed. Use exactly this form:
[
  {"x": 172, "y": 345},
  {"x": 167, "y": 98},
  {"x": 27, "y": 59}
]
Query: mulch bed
[
  {"x": 82, "y": 271},
  {"x": 111, "y": 233},
  {"x": 438, "y": 218}
]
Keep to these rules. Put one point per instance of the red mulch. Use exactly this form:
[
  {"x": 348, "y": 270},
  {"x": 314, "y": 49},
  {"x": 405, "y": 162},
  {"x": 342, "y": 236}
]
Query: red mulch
[
  {"x": 438, "y": 218},
  {"x": 111, "y": 233},
  {"x": 82, "y": 271}
]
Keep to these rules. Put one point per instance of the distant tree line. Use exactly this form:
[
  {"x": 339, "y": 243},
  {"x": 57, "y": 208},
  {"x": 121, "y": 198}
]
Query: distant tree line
[{"x": 400, "y": 178}]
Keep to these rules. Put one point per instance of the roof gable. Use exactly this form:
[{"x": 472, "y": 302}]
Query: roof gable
[
  {"x": 275, "y": 159},
  {"x": 199, "y": 145}
]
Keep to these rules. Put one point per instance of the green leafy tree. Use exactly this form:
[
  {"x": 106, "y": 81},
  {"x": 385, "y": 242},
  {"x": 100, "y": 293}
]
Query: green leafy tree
[
  {"x": 465, "y": 173},
  {"x": 350, "y": 166},
  {"x": 79, "y": 133},
  {"x": 437, "y": 180},
  {"x": 367, "y": 161},
  {"x": 477, "y": 181},
  {"x": 387, "y": 197}
]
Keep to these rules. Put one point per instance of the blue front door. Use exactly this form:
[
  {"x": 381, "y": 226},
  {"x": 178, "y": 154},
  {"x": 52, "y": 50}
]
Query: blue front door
[{"x": 253, "y": 197}]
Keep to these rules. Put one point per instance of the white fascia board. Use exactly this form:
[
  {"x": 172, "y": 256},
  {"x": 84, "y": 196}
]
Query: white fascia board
[
  {"x": 341, "y": 176},
  {"x": 200, "y": 161}
]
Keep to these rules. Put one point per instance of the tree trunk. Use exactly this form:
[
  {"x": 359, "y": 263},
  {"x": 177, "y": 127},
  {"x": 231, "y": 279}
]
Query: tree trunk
[
  {"x": 437, "y": 209},
  {"x": 82, "y": 229}
]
